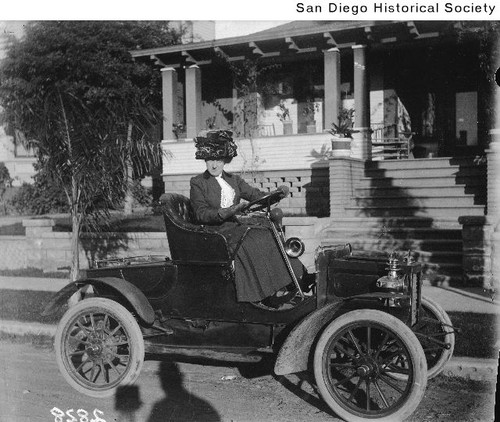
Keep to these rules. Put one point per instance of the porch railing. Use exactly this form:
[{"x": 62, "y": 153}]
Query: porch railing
[{"x": 389, "y": 143}]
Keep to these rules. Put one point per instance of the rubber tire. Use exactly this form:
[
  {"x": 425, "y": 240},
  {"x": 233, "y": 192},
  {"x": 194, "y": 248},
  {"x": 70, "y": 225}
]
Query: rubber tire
[
  {"x": 129, "y": 324},
  {"x": 440, "y": 314},
  {"x": 404, "y": 334}
]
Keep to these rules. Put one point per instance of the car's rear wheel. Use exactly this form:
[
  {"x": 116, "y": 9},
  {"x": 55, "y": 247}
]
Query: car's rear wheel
[
  {"x": 99, "y": 347},
  {"x": 436, "y": 335},
  {"x": 354, "y": 361}
]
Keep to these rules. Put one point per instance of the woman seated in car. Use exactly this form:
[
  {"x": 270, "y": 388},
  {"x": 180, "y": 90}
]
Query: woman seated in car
[{"x": 260, "y": 269}]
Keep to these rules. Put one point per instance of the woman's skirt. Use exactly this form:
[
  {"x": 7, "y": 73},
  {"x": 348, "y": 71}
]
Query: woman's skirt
[{"x": 260, "y": 267}]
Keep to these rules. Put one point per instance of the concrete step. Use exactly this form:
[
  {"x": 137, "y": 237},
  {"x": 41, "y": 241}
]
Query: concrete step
[
  {"x": 439, "y": 246},
  {"x": 439, "y": 258},
  {"x": 390, "y": 222},
  {"x": 416, "y": 191},
  {"x": 460, "y": 162},
  {"x": 461, "y": 201},
  {"x": 452, "y": 258},
  {"x": 425, "y": 180},
  {"x": 378, "y": 231},
  {"x": 447, "y": 171},
  {"x": 443, "y": 211}
]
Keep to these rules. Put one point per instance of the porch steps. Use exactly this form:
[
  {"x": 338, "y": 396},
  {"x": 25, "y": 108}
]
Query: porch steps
[
  {"x": 418, "y": 190},
  {"x": 446, "y": 208},
  {"x": 436, "y": 188},
  {"x": 427, "y": 180},
  {"x": 414, "y": 204},
  {"x": 437, "y": 246}
]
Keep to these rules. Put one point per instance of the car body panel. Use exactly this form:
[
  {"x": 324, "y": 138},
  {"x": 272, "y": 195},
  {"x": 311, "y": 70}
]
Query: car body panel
[
  {"x": 113, "y": 287},
  {"x": 294, "y": 355}
]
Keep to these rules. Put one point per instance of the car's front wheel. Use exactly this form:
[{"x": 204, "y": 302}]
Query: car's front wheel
[
  {"x": 355, "y": 360},
  {"x": 99, "y": 346}
]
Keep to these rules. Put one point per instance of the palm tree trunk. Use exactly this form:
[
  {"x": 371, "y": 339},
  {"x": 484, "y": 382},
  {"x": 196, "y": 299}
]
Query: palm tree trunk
[
  {"x": 129, "y": 199},
  {"x": 76, "y": 221},
  {"x": 75, "y": 247}
]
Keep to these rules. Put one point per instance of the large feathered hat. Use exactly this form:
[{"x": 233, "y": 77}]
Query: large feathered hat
[{"x": 215, "y": 145}]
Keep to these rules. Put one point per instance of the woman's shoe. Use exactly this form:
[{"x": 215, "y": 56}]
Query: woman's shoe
[{"x": 277, "y": 299}]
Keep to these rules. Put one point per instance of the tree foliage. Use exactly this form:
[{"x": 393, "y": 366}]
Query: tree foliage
[{"x": 89, "y": 110}]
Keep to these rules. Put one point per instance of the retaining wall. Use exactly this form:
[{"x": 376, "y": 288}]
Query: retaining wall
[
  {"x": 13, "y": 252},
  {"x": 51, "y": 251}
]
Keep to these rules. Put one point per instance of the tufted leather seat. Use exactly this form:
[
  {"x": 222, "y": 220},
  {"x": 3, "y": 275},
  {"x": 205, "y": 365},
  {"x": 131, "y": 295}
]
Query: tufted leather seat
[{"x": 188, "y": 241}]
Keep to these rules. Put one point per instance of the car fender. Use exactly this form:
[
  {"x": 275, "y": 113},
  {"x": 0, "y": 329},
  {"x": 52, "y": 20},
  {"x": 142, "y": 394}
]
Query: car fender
[
  {"x": 123, "y": 288},
  {"x": 294, "y": 353}
]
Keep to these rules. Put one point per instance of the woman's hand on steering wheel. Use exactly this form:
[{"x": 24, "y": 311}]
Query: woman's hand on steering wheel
[
  {"x": 227, "y": 213},
  {"x": 266, "y": 201}
]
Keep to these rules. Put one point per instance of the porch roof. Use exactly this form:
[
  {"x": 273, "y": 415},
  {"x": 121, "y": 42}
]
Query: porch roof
[{"x": 299, "y": 38}]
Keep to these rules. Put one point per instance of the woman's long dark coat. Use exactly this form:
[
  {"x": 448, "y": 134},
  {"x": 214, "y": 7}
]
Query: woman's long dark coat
[{"x": 259, "y": 267}]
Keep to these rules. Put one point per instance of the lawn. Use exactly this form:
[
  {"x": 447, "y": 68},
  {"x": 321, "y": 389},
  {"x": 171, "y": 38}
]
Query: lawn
[
  {"x": 27, "y": 306},
  {"x": 478, "y": 334},
  {"x": 477, "y": 337},
  {"x": 121, "y": 223}
]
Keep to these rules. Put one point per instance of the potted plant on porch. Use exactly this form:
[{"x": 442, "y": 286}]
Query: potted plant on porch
[
  {"x": 342, "y": 134},
  {"x": 179, "y": 130},
  {"x": 284, "y": 115}
]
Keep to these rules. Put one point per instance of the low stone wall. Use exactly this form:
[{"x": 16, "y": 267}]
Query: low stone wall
[
  {"x": 13, "y": 252},
  {"x": 495, "y": 259},
  {"x": 51, "y": 251},
  {"x": 309, "y": 188},
  {"x": 344, "y": 174},
  {"x": 478, "y": 246}
]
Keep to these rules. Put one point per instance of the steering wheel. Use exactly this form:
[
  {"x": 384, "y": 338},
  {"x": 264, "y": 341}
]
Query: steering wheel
[{"x": 264, "y": 202}]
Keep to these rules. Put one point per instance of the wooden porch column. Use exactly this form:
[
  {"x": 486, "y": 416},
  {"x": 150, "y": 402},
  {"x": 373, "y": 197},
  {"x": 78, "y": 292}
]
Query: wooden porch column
[
  {"x": 193, "y": 101},
  {"x": 361, "y": 144},
  {"x": 493, "y": 156},
  {"x": 169, "y": 100},
  {"x": 332, "y": 87}
]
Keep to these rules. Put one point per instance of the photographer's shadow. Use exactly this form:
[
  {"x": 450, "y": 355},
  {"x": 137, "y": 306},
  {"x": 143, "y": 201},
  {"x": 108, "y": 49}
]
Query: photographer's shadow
[{"x": 179, "y": 404}]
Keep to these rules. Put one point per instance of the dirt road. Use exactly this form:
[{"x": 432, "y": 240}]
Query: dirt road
[{"x": 32, "y": 390}]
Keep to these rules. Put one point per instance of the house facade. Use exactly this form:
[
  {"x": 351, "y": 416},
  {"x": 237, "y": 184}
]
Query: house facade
[
  {"x": 418, "y": 83},
  {"x": 420, "y": 172}
]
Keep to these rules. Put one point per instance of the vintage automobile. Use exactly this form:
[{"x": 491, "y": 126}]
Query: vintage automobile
[{"x": 363, "y": 327}]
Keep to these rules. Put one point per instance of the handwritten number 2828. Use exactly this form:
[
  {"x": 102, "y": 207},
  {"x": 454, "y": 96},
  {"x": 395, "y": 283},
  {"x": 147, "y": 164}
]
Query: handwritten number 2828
[{"x": 82, "y": 415}]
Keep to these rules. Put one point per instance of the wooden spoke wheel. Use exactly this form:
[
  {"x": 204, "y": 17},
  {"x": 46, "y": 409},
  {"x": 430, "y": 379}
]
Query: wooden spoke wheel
[
  {"x": 99, "y": 347},
  {"x": 355, "y": 360}
]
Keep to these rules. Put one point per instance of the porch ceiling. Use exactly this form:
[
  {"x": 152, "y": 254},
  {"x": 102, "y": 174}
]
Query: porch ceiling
[{"x": 297, "y": 39}]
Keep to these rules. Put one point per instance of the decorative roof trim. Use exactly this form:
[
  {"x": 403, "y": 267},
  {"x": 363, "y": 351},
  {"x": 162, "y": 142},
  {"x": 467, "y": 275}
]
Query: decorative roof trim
[
  {"x": 293, "y": 46},
  {"x": 220, "y": 51}
]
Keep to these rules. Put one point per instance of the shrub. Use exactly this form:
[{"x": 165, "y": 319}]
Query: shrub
[
  {"x": 142, "y": 195},
  {"x": 5, "y": 179},
  {"x": 36, "y": 199},
  {"x": 5, "y": 183}
]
